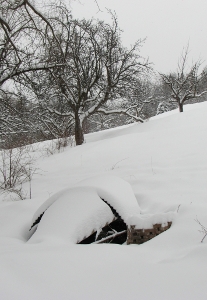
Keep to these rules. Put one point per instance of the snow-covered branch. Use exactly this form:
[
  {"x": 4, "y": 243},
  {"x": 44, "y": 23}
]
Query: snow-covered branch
[
  {"x": 121, "y": 111},
  {"x": 18, "y": 72},
  {"x": 110, "y": 237},
  {"x": 55, "y": 111}
]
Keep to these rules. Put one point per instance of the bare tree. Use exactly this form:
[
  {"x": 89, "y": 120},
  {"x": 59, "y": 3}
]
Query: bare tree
[
  {"x": 94, "y": 68},
  {"x": 185, "y": 83},
  {"x": 76, "y": 66}
]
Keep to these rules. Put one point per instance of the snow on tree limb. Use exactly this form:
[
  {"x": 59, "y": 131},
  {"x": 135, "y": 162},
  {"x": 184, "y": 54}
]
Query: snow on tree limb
[{"x": 121, "y": 111}]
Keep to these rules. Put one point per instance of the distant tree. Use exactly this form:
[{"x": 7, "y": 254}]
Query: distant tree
[
  {"x": 185, "y": 83},
  {"x": 203, "y": 84}
]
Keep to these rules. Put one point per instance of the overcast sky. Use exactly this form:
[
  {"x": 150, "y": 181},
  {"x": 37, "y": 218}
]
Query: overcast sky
[{"x": 168, "y": 25}]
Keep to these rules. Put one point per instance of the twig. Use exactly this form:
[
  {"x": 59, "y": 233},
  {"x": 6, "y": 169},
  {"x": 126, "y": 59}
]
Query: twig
[
  {"x": 98, "y": 6},
  {"x": 203, "y": 229},
  {"x": 113, "y": 167}
]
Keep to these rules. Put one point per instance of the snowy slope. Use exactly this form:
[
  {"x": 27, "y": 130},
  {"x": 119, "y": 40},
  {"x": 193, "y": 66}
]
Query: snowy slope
[{"x": 164, "y": 161}]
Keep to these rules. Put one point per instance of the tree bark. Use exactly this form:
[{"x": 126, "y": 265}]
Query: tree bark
[
  {"x": 180, "y": 106},
  {"x": 79, "y": 137}
]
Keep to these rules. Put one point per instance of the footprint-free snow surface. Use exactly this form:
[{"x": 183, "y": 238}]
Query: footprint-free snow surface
[{"x": 163, "y": 165}]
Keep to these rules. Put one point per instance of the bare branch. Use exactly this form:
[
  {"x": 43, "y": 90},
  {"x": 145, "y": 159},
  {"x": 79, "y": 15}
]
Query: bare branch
[
  {"x": 98, "y": 6},
  {"x": 4, "y": 23},
  {"x": 203, "y": 229},
  {"x": 120, "y": 111}
]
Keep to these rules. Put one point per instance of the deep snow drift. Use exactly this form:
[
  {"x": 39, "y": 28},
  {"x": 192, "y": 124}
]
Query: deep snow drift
[
  {"x": 75, "y": 213},
  {"x": 164, "y": 161}
]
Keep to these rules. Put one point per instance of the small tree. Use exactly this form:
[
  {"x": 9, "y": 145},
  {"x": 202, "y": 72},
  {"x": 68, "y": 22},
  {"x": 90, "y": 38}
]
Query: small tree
[{"x": 185, "y": 83}]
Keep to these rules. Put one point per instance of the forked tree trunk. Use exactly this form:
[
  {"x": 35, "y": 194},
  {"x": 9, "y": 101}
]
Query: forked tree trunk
[{"x": 79, "y": 137}]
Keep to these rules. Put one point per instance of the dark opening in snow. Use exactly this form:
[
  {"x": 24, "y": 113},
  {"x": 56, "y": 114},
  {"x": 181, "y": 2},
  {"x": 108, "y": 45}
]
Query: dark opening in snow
[{"x": 114, "y": 233}]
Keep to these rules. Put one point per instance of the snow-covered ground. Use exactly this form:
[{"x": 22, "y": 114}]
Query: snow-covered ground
[{"x": 164, "y": 162}]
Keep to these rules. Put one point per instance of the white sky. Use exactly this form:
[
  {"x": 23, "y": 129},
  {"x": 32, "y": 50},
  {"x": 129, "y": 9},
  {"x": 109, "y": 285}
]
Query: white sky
[{"x": 168, "y": 26}]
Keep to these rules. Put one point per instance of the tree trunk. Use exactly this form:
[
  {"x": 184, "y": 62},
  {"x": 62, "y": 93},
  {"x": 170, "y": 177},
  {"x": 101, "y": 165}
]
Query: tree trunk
[
  {"x": 180, "y": 106},
  {"x": 79, "y": 137}
]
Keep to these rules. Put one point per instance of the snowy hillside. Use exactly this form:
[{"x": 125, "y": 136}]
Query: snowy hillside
[{"x": 163, "y": 164}]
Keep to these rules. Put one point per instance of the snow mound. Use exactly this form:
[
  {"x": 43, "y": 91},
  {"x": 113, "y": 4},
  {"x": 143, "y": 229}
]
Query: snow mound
[
  {"x": 147, "y": 221},
  {"x": 116, "y": 192},
  {"x": 77, "y": 214}
]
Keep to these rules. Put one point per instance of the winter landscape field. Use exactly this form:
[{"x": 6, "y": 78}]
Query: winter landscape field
[{"x": 163, "y": 165}]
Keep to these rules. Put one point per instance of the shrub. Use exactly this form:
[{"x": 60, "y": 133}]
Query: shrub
[{"x": 16, "y": 167}]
